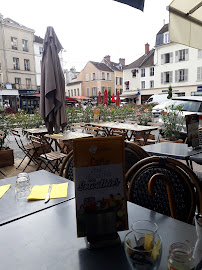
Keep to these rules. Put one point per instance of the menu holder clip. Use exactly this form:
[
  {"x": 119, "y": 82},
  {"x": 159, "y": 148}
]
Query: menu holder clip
[{"x": 101, "y": 230}]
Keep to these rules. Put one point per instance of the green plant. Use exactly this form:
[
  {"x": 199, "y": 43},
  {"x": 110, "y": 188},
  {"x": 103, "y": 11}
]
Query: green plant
[
  {"x": 170, "y": 93},
  {"x": 109, "y": 97},
  {"x": 173, "y": 121}
]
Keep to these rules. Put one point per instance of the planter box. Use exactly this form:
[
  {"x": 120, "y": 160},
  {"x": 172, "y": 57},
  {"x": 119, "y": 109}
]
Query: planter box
[
  {"x": 6, "y": 158},
  {"x": 177, "y": 141}
]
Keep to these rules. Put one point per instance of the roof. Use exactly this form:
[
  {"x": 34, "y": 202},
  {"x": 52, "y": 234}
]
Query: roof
[
  {"x": 101, "y": 66},
  {"x": 38, "y": 39},
  {"x": 146, "y": 60},
  {"x": 164, "y": 29},
  {"x": 11, "y": 22},
  {"x": 72, "y": 83}
]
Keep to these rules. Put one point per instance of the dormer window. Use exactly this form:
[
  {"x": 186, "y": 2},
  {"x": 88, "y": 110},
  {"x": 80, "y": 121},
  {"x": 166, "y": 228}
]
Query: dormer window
[{"x": 166, "y": 38}]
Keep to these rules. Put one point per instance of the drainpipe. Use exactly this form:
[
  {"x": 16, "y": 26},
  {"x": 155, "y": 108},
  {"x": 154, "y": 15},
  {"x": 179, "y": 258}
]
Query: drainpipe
[{"x": 4, "y": 52}]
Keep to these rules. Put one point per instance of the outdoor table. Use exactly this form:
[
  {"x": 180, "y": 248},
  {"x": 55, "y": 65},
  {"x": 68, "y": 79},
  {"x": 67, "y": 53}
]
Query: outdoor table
[
  {"x": 62, "y": 139},
  {"x": 11, "y": 209},
  {"x": 174, "y": 150},
  {"x": 48, "y": 240},
  {"x": 131, "y": 130},
  {"x": 36, "y": 131}
]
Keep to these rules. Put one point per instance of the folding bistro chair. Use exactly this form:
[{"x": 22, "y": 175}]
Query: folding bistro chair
[
  {"x": 51, "y": 159},
  {"x": 66, "y": 169},
  {"x": 28, "y": 149}
]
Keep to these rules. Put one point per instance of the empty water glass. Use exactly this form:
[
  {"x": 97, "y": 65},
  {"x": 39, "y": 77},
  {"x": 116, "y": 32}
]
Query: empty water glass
[{"x": 22, "y": 187}]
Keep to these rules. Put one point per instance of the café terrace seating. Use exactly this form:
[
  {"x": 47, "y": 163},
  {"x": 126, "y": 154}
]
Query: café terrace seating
[{"x": 165, "y": 185}]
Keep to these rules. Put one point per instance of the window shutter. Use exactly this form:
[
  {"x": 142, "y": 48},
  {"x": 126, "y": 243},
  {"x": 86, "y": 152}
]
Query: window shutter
[
  {"x": 176, "y": 75},
  {"x": 170, "y": 76},
  {"x": 110, "y": 76},
  {"x": 161, "y": 77},
  {"x": 187, "y": 54},
  {"x": 176, "y": 56},
  {"x": 95, "y": 76},
  {"x": 186, "y": 75},
  {"x": 162, "y": 59},
  {"x": 171, "y": 57},
  {"x": 91, "y": 76}
]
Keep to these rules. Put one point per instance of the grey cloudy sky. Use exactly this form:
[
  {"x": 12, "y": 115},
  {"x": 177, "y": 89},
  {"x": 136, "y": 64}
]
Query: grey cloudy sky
[{"x": 91, "y": 29}]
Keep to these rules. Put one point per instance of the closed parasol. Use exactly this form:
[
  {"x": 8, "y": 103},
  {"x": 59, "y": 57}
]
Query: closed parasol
[
  {"x": 105, "y": 98},
  {"x": 52, "y": 94},
  {"x": 113, "y": 99},
  {"x": 117, "y": 99}
]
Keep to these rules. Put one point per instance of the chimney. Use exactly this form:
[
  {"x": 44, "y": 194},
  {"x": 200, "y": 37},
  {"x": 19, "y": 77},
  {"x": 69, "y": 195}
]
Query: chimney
[
  {"x": 146, "y": 48},
  {"x": 122, "y": 61},
  {"x": 107, "y": 57}
]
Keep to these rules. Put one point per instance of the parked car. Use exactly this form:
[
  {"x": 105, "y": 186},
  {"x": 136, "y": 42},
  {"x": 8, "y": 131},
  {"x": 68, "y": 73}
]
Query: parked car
[
  {"x": 156, "y": 110},
  {"x": 157, "y": 99}
]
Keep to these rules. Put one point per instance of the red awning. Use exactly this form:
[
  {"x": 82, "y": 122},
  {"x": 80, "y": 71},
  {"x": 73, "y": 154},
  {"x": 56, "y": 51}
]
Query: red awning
[
  {"x": 35, "y": 95},
  {"x": 70, "y": 99},
  {"x": 81, "y": 97}
]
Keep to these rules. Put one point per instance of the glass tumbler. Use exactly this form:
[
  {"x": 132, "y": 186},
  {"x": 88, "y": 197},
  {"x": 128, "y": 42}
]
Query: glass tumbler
[
  {"x": 140, "y": 227},
  {"x": 22, "y": 187},
  {"x": 143, "y": 253}
]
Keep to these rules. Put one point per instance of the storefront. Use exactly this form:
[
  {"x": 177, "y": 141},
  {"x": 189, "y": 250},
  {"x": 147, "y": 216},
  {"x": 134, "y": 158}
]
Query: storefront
[
  {"x": 10, "y": 96},
  {"x": 29, "y": 100}
]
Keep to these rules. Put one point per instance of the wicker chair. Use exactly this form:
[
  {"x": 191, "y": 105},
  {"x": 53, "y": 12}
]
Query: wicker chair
[
  {"x": 167, "y": 186},
  {"x": 66, "y": 169}
]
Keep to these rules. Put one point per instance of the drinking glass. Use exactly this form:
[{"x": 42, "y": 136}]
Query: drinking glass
[
  {"x": 142, "y": 226},
  {"x": 22, "y": 186},
  {"x": 143, "y": 253}
]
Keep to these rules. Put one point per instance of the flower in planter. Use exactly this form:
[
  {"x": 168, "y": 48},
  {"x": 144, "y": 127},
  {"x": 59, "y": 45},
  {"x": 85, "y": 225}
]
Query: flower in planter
[
  {"x": 173, "y": 121},
  {"x": 143, "y": 117}
]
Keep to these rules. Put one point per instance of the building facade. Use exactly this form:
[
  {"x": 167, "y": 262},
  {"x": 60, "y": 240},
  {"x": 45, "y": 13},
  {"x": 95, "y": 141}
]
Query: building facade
[
  {"x": 17, "y": 62},
  {"x": 168, "y": 64}
]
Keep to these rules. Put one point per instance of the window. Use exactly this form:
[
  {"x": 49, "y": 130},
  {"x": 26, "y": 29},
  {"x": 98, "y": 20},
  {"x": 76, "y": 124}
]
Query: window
[
  {"x": 199, "y": 54},
  {"x": 117, "y": 80},
  {"x": 0, "y": 65},
  {"x": 88, "y": 92},
  {"x": 25, "y": 45},
  {"x": 166, "y": 58},
  {"x": 151, "y": 84},
  {"x": 166, "y": 38},
  {"x": 108, "y": 76},
  {"x": 40, "y": 50},
  {"x": 16, "y": 63},
  {"x": 87, "y": 77},
  {"x": 69, "y": 93},
  {"x": 134, "y": 72},
  {"x": 14, "y": 43},
  {"x": 182, "y": 55},
  {"x": 102, "y": 90},
  {"x": 94, "y": 76},
  {"x": 127, "y": 84},
  {"x": 77, "y": 91},
  {"x": 166, "y": 77},
  {"x": 17, "y": 80},
  {"x": 26, "y": 65},
  {"x": 72, "y": 92},
  {"x": 121, "y": 81},
  {"x": 143, "y": 84},
  {"x": 143, "y": 72},
  {"x": 28, "y": 83},
  {"x": 103, "y": 76},
  {"x": 152, "y": 71},
  {"x": 181, "y": 75},
  {"x": 94, "y": 91},
  {"x": 199, "y": 73}
]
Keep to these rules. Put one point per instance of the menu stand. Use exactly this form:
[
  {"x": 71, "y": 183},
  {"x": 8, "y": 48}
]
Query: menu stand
[{"x": 101, "y": 230}]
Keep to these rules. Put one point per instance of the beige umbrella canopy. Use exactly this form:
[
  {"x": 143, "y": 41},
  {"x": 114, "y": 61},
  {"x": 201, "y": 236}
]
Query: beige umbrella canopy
[
  {"x": 52, "y": 93},
  {"x": 185, "y": 22}
]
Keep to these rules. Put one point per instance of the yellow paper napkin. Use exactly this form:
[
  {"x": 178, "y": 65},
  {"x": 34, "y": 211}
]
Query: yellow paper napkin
[
  {"x": 59, "y": 135},
  {"x": 3, "y": 190},
  {"x": 59, "y": 191},
  {"x": 38, "y": 192}
]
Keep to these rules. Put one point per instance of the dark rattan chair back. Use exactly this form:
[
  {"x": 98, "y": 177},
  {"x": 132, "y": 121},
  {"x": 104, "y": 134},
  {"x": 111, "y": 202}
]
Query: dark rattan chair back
[
  {"x": 66, "y": 169},
  {"x": 165, "y": 185}
]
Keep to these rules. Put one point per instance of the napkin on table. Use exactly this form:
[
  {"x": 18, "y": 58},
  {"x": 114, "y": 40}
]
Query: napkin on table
[
  {"x": 40, "y": 192},
  {"x": 3, "y": 189}
]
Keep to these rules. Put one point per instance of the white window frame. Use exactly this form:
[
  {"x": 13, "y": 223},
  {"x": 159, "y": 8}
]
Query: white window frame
[
  {"x": 151, "y": 71},
  {"x": 181, "y": 75},
  {"x": 199, "y": 73},
  {"x": 152, "y": 84},
  {"x": 102, "y": 76},
  {"x": 78, "y": 92},
  {"x": 107, "y": 76},
  {"x": 25, "y": 45},
  {"x": 142, "y": 84},
  {"x": 87, "y": 77},
  {"x": 166, "y": 38},
  {"x": 28, "y": 83},
  {"x": 142, "y": 72},
  {"x": 40, "y": 50},
  {"x": 16, "y": 63},
  {"x": 88, "y": 92},
  {"x": 14, "y": 43},
  {"x": 164, "y": 76},
  {"x": 27, "y": 64}
]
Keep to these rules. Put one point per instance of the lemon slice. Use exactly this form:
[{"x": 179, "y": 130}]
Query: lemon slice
[
  {"x": 148, "y": 241},
  {"x": 156, "y": 250}
]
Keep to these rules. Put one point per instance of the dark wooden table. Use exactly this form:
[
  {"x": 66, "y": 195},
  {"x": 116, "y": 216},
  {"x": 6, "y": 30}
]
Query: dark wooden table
[
  {"x": 12, "y": 209},
  {"x": 48, "y": 240}
]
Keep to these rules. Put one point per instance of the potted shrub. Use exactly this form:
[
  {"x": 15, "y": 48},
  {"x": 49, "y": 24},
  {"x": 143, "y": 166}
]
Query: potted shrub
[
  {"x": 6, "y": 154},
  {"x": 173, "y": 121}
]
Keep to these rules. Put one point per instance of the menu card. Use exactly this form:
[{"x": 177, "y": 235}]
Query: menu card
[
  {"x": 192, "y": 123},
  {"x": 100, "y": 185},
  {"x": 96, "y": 115}
]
